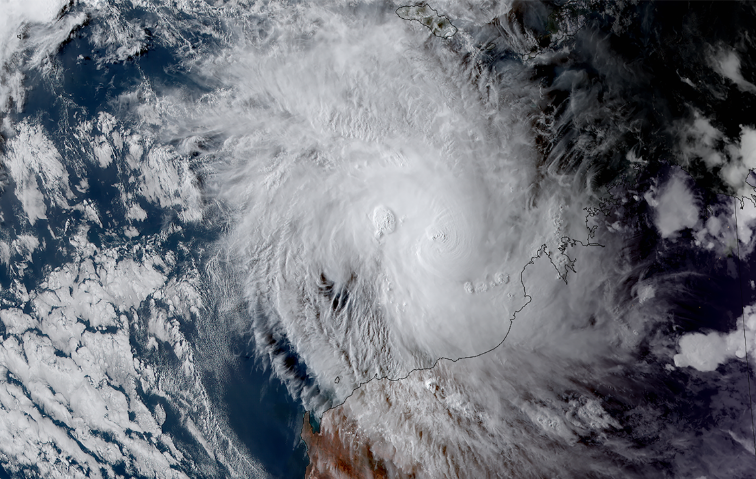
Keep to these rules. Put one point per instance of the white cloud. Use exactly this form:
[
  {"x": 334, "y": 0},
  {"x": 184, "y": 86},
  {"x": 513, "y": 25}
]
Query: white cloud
[
  {"x": 699, "y": 140},
  {"x": 166, "y": 180},
  {"x": 90, "y": 386},
  {"x": 727, "y": 64},
  {"x": 36, "y": 167},
  {"x": 524, "y": 397},
  {"x": 79, "y": 380},
  {"x": 418, "y": 209},
  {"x": 645, "y": 292},
  {"x": 735, "y": 161},
  {"x": 748, "y": 147},
  {"x": 136, "y": 213},
  {"x": 705, "y": 352},
  {"x": 676, "y": 207},
  {"x": 16, "y": 21}
]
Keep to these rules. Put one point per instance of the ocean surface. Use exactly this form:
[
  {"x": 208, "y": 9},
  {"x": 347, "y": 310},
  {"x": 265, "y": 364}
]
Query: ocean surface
[{"x": 375, "y": 239}]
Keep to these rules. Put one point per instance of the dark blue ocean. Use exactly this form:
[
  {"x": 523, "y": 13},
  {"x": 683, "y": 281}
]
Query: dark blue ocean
[{"x": 256, "y": 406}]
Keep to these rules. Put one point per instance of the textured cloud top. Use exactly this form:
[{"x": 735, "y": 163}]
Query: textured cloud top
[{"x": 365, "y": 239}]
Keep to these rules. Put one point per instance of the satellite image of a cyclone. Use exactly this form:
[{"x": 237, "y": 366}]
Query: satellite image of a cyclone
[{"x": 346, "y": 239}]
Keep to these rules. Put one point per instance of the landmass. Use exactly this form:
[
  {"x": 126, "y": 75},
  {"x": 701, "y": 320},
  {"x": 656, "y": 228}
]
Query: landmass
[
  {"x": 331, "y": 452},
  {"x": 333, "y": 458},
  {"x": 439, "y": 25}
]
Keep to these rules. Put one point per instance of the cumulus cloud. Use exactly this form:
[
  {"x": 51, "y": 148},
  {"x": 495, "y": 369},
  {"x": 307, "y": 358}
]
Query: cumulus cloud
[
  {"x": 733, "y": 160},
  {"x": 705, "y": 352},
  {"x": 700, "y": 140},
  {"x": 74, "y": 374},
  {"x": 384, "y": 210},
  {"x": 675, "y": 206},
  {"x": 742, "y": 161},
  {"x": 526, "y": 408},
  {"x": 30, "y": 25},
  {"x": 79, "y": 386},
  {"x": 36, "y": 168},
  {"x": 385, "y": 207},
  {"x": 727, "y": 64}
]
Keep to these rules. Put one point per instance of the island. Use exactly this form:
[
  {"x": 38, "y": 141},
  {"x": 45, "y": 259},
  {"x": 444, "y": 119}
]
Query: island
[{"x": 439, "y": 25}]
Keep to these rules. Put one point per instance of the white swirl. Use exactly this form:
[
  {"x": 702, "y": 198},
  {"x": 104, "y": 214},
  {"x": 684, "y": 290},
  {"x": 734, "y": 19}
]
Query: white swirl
[{"x": 448, "y": 245}]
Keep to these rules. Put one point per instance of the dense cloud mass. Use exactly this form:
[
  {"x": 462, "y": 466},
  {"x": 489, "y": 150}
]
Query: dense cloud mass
[{"x": 505, "y": 239}]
